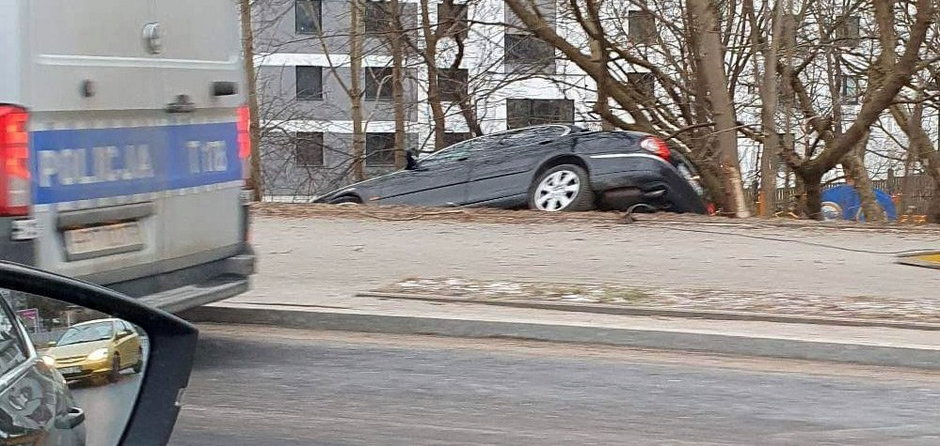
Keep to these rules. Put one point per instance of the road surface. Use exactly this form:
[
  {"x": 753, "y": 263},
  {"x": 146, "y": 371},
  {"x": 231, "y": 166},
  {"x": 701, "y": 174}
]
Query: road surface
[
  {"x": 107, "y": 407},
  {"x": 263, "y": 385}
]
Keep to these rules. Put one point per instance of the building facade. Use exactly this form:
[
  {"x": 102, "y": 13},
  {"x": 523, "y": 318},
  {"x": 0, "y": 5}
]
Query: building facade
[{"x": 508, "y": 78}]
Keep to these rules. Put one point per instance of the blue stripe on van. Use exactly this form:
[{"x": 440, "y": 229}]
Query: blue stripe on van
[{"x": 71, "y": 165}]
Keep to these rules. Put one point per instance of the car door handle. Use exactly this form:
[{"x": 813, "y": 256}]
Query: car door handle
[
  {"x": 75, "y": 417},
  {"x": 463, "y": 158}
]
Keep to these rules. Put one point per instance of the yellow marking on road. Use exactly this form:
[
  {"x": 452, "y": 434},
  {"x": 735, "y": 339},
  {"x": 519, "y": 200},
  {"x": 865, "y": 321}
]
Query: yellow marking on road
[{"x": 932, "y": 258}]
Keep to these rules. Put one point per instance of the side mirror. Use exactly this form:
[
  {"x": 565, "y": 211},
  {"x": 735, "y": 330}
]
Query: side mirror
[
  {"x": 411, "y": 161},
  {"x": 42, "y": 309},
  {"x": 123, "y": 334}
]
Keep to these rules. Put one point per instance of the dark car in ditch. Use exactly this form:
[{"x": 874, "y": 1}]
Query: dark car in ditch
[{"x": 547, "y": 167}]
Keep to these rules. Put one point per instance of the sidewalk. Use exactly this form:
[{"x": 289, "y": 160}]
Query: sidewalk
[
  {"x": 313, "y": 270},
  {"x": 862, "y": 345}
]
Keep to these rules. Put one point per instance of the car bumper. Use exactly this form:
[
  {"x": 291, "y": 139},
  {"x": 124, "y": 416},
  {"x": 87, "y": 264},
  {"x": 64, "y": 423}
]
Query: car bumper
[
  {"x": 179, "y": 289},
  {"x": 663, "y": 190},
  {"x": 219, "y": 280},
  {"x": 85, "y": 369}
]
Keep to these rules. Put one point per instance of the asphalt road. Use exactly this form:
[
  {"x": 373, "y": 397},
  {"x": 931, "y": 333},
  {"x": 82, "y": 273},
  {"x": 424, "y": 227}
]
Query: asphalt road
[
  {"x": 262, "y": 385},
  {"x": 107, "y": 407}
]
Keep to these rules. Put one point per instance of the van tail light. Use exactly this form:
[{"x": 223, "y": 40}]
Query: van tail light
[
  {"x": 244, "y": 139},
  {"x": 656, "y": 146},
  {"x": 15, "y": 184}
]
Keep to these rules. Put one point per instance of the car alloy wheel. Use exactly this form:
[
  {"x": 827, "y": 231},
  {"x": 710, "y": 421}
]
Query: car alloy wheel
[{"x": 557, "y": 191}]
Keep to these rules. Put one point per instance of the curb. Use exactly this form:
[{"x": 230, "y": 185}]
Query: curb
[
  {"x": 664, "y": 312},
  {"x": 918, "y": 259},
  {"x": 646, "y": 339}
]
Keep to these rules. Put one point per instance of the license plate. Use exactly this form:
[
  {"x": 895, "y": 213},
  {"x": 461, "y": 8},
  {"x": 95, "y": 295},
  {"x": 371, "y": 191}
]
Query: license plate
[
  {"x": 102, "y": 240},
  {"x": 70, "y": 370}
]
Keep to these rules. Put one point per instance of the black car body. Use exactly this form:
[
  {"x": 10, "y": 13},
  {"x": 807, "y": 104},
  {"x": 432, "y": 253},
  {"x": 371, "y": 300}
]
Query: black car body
[
  {"x": 610, "y": 170},
  {"x": 36, "y": 406}
]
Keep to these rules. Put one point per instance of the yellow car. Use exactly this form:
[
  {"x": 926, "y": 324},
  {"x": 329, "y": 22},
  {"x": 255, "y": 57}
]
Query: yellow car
[{"x": 99, "y": 348}]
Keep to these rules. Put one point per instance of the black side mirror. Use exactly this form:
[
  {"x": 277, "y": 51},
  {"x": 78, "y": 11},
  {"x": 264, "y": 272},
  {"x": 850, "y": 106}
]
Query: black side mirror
[
  {"x": 38, "y": 307},
  {"x": 411, "y": 161}
]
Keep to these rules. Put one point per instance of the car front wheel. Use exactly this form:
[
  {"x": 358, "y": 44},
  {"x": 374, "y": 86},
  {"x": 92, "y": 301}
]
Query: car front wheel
[
  {"x": 115, "y": 374},
  {"x": 562, "y": 188}
]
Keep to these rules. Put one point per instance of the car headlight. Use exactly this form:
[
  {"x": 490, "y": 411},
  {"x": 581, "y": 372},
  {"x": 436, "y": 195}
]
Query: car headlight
[
  {"x": 98, "y": 355},
  {"x": 49, "y": 361}
]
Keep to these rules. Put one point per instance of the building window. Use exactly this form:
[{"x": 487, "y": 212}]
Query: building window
[
  {"x": 378, "y": 83},
  {"x": 641, "y": 26},
  {"x": 645, "y": 84},
  {"x": 851, "y": 89},
  {"x": 376, "y": 19},
  {"x": 309, "y": 81},
  {"x": 526, "y": 112},
  {"x": 453, "y": 19},
  {"x": 529, "y": 50},
  {"x": 453, "y": 84},
  {"x": 380, "y": 149},
  {"x": 308, "y": 149},
  {"x": 307, "y": 16},
  {"x": 848, "y": 32},
  {"x": 453, "y": 138}
]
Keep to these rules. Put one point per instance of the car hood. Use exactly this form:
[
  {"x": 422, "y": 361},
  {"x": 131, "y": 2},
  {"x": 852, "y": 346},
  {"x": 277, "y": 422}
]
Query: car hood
[{"x": 82, "y": 349}]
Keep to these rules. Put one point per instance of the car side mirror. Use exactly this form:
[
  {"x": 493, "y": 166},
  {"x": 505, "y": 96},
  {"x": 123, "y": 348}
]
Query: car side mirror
[
  {"x": 123, "y": 334},
  {"x": 411, "y": 161},
  {"x": 91, "y": 390}
]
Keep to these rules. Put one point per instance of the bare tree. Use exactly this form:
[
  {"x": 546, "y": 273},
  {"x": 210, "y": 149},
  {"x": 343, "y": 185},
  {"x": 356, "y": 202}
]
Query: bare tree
[
  {"x": 887, "y": 76},
  {"x": 708, "y": 49},
  {"x": 255, "y": 182}
]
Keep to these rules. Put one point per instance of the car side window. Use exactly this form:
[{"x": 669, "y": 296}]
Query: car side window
[
  {"x": 533, "y": 135},
  {"x": 454, "y": 152},
  {"x": 13, "y": 350}
]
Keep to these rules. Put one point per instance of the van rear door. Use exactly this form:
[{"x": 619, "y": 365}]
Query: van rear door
[
  {"x": 134, "y": 140},
  {"x": 96, "y": 152},
  {"x": 201, "y": 72}
]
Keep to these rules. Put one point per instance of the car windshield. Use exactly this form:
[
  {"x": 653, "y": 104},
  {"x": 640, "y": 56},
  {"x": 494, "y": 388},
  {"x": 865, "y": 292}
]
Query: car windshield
[{"x": 86, "y": 333}]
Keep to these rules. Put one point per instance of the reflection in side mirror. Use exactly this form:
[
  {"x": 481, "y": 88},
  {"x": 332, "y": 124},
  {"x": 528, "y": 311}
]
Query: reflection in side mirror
[{"x": 84, "y": 369}]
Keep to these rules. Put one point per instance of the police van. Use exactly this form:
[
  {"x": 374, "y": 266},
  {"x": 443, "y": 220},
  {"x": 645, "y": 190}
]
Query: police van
[{"x": 123, "y": 145}]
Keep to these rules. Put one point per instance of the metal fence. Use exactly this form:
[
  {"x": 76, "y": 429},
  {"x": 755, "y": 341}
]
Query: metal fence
[{"x": 911, "y": 194}]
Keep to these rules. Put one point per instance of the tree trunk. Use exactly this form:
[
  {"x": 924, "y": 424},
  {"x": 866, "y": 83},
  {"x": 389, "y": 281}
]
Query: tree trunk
[
  {"x": 600, "y": 56},
  {"x": 922, "y": 146},
  {"x": 712, "y": 55},
  {"x": 355, "y": 90},
  {"x": 255, "y": 181},
  {"x": 769, "y": 98},
  {"x": 434, "y": 90},
  {"x": 811, "y": 195},
  {"x": 398, "y": 93},
  {"x": 854, "y": 165}
]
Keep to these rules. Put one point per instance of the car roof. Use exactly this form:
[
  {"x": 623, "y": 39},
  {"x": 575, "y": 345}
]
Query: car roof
[{"x": 96, "y": 321}]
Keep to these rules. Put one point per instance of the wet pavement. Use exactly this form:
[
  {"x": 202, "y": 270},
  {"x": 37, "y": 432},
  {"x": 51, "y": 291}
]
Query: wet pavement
[{"x": 263, "y": 385}]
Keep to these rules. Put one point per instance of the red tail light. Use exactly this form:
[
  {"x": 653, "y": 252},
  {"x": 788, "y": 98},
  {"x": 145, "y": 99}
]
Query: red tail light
[
  {"x": 244, "y": 138},
  {"x": 656, "y": 146},
  {"x": 14, "y": 161}
]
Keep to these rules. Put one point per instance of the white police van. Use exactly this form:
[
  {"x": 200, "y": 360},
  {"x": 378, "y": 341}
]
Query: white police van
[{"x": 123, "y": 145}]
